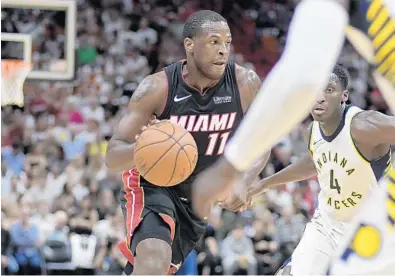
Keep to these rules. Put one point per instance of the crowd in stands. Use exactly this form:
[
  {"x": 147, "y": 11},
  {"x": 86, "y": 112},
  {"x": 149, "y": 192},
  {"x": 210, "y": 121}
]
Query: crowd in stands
[{"x": 60, "y": 205}]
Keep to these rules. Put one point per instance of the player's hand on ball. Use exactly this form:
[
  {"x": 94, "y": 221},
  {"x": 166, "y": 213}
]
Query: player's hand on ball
[
  {"x": 151, "y": 122},
  {"x": 214, "y": 183}
]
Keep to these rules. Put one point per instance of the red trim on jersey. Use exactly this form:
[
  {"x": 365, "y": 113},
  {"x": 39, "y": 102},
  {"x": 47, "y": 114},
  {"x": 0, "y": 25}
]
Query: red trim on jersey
[
  {"x": 169, "y": 221},
  {"x": 134, "y": 195}
]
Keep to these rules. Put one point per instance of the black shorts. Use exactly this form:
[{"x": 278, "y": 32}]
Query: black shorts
[{"x": 156, "y": 212}]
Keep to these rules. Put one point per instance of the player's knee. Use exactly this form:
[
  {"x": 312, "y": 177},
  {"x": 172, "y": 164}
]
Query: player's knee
[{"x": 153, "y": 256}]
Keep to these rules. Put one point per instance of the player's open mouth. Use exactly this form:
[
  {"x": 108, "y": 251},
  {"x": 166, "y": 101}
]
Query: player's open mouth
[
  {"x": 319, "y": 110},
  {"x": 219, "y": 63}
]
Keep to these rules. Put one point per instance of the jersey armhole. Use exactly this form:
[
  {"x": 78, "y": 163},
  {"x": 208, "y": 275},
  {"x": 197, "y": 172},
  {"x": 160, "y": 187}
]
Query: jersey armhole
[
  {"x": 236, "y": 86},
  {"x": 357, "y": 151},
  {"x": 311, "y": 138},
  {"x": 167, "y": 103}
]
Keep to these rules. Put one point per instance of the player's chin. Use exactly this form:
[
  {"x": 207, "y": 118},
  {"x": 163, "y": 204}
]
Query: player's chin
[
  {"x": 216, "y": 71},
  {"x": 318, "y": 116}
]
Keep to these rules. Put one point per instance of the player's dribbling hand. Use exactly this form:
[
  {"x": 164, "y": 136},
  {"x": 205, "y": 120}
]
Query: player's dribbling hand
[
  {"x": 151, "y": 122},
  {"x": 214, "y": 183}
]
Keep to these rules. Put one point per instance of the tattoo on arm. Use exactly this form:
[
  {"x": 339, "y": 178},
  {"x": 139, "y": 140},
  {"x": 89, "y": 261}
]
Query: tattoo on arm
[{"x": 144, "y": 88}]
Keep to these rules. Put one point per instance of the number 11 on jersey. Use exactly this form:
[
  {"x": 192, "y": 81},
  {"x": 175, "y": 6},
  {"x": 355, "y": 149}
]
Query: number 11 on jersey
[
  {"x": 333, "y": 182},
  {"x": 213, "y": 141}
]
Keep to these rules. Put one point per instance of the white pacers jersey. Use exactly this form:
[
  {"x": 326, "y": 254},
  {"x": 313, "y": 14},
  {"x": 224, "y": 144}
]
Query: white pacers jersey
[{"x": 346, "y": 178}]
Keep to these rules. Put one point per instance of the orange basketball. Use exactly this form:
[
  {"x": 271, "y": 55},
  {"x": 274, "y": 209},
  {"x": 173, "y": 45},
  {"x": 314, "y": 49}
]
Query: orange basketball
[{"x": 165, "y": 154}]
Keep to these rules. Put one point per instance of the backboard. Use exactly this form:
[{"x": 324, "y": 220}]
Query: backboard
[{"x": 41, "y": 32}]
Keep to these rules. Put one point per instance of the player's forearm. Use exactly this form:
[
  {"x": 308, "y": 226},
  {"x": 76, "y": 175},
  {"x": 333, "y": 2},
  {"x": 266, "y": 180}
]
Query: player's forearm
[
  {"x": 302, "y": 169},
  {"x": 251, "y": 174},
  {"x": 120, "y": 156},
  {"x": 314, "y": 43}
]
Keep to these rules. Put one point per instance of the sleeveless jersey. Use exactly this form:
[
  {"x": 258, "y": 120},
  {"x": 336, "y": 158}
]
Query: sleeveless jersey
[
  {"x": 346, "y": 178},
  {"x": 211, "y": 118},
  {"x": 372, "y": 33}
]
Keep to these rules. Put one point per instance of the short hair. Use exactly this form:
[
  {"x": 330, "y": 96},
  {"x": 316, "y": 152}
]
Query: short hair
[
  {"x": 342, "y": 74},
  {"x": 195, "y": 21}
]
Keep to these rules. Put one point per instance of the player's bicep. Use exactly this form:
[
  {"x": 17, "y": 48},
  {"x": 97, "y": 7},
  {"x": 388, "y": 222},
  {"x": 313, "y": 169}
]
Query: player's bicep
[{"x": 144, "y": 103}]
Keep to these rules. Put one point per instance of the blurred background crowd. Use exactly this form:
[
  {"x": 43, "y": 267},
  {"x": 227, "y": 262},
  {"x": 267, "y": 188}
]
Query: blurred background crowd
[{"x": 60, "y": 206}]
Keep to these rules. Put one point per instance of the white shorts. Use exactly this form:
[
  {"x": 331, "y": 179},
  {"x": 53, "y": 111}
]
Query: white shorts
[
  {"x": 317, "y": 246},
  {"x": 369, "y": 248}
]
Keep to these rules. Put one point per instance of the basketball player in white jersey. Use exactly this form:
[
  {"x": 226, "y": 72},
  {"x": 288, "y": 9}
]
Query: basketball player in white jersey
[
  {"x": 314, "y": 42},
  {"x": 315, "y": 39},
  {"x": 349, "y": 151}
]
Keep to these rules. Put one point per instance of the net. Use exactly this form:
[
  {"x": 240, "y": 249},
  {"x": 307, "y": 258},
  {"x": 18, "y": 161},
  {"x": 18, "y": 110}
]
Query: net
[{"x": 13, "y": 75}]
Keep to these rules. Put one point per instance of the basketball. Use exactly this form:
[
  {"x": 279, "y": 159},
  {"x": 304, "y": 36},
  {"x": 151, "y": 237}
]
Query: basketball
[{"x": 165, "y": 154}]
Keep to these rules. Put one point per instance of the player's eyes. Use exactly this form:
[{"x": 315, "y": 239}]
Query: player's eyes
[
  {"x": 329, "y": 90},
  {"x": 214, "y": 42}
]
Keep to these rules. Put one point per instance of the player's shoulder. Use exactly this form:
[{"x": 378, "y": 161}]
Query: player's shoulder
[
  {"x": 248, "y": 83},
  {"x": 366, "y": 120},
  {"x": 152, "y": 88},
  {"x": 247, "y": 78}
]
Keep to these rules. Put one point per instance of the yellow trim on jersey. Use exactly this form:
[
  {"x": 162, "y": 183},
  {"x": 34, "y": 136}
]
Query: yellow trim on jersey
[
  {"x": 311, "y": 140},
  {"x": 385, "y": 50},
  {"x": 389, "y": 202},
  {"x": 391, "y": 173},
  {"x": 385, "y": 33},
  {"x": 356, "y": 150},
  {"x": 378, "y": 22},
  {"x": 389, "y": 62},
  {"x": 374, "y": 8}
]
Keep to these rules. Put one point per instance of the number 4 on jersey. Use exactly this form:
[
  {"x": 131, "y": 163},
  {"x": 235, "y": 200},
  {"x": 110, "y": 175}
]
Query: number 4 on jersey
[{"x": 333, "y": 183}]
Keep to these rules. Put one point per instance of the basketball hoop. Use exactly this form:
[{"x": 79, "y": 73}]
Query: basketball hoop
[{"x": 13, "y": 75}]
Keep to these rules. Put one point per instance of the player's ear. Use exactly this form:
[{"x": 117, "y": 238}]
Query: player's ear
[
  {"x": 189, "y": 44},
  {"x": 345, "y": 96}
]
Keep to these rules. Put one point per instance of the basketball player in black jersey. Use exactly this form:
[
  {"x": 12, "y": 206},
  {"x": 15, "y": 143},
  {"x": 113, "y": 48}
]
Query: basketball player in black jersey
[{"x": 208, "y": 95}]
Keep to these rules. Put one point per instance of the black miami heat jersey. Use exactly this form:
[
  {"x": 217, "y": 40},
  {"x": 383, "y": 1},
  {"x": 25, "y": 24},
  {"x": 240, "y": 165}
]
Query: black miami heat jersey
[
  {"x": 211, "y": 117},
  {"x": 372, "y": 33}
]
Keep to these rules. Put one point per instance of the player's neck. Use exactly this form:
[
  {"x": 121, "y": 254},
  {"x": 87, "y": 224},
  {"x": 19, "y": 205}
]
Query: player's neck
[
  {"x": 329, "y": 126},
  {"x": 194, "y": 78}
]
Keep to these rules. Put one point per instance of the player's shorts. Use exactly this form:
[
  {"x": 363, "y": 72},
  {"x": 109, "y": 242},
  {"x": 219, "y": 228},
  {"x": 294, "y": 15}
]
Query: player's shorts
[
  {"x": 157, "y": 212},
  {"x": 318, "y": 244},
  {"x": 369, "y": 248}
]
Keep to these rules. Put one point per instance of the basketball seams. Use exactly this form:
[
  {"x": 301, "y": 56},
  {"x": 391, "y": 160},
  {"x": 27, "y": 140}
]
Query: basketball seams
[
  {"x": 189, "y": 161},
  {"x": 160, "y": 158},
  {"x": 154, "y": 143},
  {"x": 175, "y": 165},
  {"x": 181, "y": 132}
]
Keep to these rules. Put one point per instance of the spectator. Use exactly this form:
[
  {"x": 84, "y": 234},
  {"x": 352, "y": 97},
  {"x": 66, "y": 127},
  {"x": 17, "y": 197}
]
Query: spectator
[
  {"x": 8, "y": 262},
  {"x": 265, "y": 246},
  {"x": 238, "y": 253},
  {"x": 44, "y": 220},
  {"x": 109, "y": 260},
  {"x": 14, "y": 157},
  {"x": 93, "y": 110},
  {"x": 25, "y": 237},
  {"x": 209, "y": 259},
  {"x": 289, "y": 231}
]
